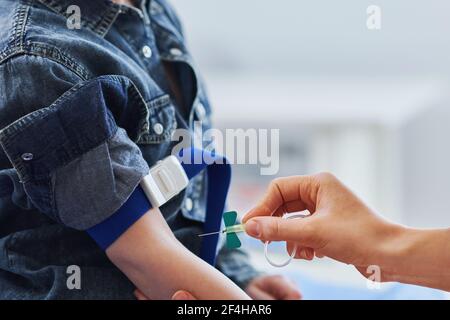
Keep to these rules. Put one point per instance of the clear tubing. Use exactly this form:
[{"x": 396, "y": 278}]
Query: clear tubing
[
  {"x": 293, "y": 253},
  {"x": 235, "y": 229}
]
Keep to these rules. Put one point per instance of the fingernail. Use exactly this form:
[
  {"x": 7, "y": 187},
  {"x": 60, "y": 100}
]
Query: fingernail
[
  {"x": 180, "y": 296},
  {"x": 244, "y": 218},
  {"x": 304, "y": 254},
  {"x": 253, "y": 228}
]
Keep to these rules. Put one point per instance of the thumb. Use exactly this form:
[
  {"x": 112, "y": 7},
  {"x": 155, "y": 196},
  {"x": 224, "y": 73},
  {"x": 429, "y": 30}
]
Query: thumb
[
  {"x": 301, "y": 231},
  {"x": 183, "y": 295}
]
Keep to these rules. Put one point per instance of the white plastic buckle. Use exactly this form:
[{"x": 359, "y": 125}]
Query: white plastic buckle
[{"x": 166, "y": 179}]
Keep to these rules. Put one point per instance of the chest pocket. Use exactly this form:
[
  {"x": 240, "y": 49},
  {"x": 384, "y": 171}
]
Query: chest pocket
[
  {"x": 156, "y": 128},
  {"x": 160, "y": 122}
]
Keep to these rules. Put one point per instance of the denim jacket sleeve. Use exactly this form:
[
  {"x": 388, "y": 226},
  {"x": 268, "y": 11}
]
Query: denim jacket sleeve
[{"x": 63, "y": 138}]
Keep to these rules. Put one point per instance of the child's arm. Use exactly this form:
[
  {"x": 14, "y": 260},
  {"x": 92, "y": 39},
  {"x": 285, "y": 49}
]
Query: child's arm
[{"x": 159, "y": 265}]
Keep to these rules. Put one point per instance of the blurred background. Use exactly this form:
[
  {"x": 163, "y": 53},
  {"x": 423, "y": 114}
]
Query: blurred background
[{"x": 371, "y": 106}]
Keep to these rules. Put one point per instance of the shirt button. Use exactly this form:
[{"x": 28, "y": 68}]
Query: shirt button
[
  {"x": 188, "y": 204},
  {"x": 158, "y": 128},
  {"x": 27, "y": 156},
  {"x": 176, "y": 52},
  {"x": 147, "y": 51}
]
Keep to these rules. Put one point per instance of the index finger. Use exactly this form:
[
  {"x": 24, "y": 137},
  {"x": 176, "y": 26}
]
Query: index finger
[{"x": 290, "y": 194}]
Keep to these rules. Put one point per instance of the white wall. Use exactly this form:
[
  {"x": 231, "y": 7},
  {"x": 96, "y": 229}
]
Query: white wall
[
  {"x": 318, "y": 37},
  {"x": 314, "y": 64}
]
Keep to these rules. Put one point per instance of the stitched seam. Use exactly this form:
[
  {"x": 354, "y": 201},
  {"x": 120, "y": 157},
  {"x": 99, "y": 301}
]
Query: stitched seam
[
  {"x": 108, "y": 20},
  {"x": 18, "y": 27},
  {"x": 23, "y": 26},
  {"x": 18, "y": 165},
  {"x": 58, "y": 9},
  {"x": 48, "y": 52},
  {"x": 40, "y": 114},
  {"x": 154, "y": 106},
  {"x": 8, "y": 133},
  {"x": 17, "y": 22},
  {"x": 99, "y": 27}
]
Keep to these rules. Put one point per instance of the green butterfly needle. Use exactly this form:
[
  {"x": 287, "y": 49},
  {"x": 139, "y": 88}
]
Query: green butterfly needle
[{"x": 230, "y": 230}]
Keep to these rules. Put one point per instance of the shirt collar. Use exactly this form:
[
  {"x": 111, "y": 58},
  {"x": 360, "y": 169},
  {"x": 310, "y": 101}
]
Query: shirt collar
[{"x": 97, "y": 15}]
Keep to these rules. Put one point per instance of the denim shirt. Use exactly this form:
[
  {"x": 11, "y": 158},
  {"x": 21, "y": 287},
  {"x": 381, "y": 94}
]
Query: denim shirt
[{"x": 84, "y": 113}]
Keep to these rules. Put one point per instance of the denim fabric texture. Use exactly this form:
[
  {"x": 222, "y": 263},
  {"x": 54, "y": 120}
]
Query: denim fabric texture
[{"x": 84, "y": 113}]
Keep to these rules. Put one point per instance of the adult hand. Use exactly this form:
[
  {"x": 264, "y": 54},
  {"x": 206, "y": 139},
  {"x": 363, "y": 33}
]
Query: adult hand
[
  {"x": 340, "y": 226},
  {"x": 260, "y": 288},
  {"x": 272, "y": 287},
  {"x": 179, "y": 295}
]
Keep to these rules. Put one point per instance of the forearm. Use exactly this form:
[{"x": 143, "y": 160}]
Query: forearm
[
  {"x": 236, "y": 265},
  {"x": 159, "y": 265},
  {"x": 420, "y": 257}
]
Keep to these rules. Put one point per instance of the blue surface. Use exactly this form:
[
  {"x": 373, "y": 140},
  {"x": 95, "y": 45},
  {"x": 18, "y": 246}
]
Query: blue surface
[
  {"x": 314, "y": 289},
  {"x": 109, "y": 230},
  {"x": 218, "y": 169}
]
